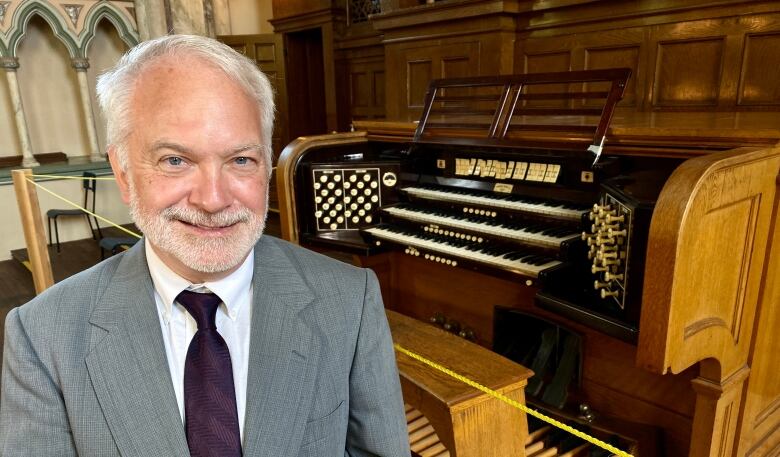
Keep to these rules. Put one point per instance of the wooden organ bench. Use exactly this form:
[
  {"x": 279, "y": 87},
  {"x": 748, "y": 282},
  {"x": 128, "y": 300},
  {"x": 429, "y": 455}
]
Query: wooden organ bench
[{"x": 443, "y": 410}]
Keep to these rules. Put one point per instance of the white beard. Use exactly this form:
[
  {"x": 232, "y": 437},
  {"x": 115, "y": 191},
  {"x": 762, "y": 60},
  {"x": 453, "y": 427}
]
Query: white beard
[{"x": 202, "y": 254}]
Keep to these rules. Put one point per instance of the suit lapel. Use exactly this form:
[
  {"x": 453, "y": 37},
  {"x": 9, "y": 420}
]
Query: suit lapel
[
  {"x": 282, "y": 358},
  {"x": 128, "y": 366}
]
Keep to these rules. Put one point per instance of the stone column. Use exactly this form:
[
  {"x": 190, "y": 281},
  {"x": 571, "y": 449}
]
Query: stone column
[
  {"x": 10, "y": 64},
  {"x": 81, "y": 66}
]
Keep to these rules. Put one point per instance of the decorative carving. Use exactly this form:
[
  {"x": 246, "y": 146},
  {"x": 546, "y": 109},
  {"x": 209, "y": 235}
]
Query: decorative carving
[
  {"x": 9, "y": 63},
  {"x": 360, "y": 9},
  {"x": 73, "y": 13},
  {"x": 80, "y": 63},
  {"x": 3, "y": 7}
]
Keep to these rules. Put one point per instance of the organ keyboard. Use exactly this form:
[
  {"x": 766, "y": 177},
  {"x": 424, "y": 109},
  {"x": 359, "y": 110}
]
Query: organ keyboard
[
  {"x": 520, "y": 262},
  {"x": 543, "y": 235},
  {"x": 492, "y": 202}
]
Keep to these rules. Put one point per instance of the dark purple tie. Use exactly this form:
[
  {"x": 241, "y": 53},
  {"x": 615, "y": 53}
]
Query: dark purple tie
[{"x": 210, "y": 415}]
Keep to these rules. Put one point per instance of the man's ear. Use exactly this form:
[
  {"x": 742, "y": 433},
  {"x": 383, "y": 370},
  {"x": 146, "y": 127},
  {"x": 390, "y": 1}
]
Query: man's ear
[{"x": 119, "y": 174}]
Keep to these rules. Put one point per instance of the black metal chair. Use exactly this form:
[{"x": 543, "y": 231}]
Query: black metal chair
[
  {"x": 115, "y": 244},
  {"x": 90, "y": 188}
]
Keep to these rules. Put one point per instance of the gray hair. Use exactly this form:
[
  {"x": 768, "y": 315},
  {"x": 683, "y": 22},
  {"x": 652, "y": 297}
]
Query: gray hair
[{"x": 115, "y": 86}]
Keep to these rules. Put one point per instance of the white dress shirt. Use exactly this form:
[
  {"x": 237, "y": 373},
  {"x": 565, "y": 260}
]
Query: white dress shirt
[{"x": 178, "y": 326}]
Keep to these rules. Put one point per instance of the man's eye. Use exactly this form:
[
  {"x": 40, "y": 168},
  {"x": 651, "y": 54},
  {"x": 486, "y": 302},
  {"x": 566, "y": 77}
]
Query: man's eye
[
  {"x": 175, "y": 161},
  {"x": 242, "y": 160}
]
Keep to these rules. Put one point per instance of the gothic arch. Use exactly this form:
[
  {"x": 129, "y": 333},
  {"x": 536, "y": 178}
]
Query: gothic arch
[
  {"x": 114, "y": 15},
  {"x": 51, "y": 16}
]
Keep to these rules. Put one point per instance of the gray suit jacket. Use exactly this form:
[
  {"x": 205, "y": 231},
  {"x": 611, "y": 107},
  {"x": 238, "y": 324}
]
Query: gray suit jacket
[{"x": 85, "y": 371}]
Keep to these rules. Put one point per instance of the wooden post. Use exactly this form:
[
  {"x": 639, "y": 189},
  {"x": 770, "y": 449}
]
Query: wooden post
[{"x": 34, "y": 237}]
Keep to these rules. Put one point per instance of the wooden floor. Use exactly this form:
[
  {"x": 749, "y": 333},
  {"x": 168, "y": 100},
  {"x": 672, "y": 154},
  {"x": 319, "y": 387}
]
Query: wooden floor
[{"x": 16, "y": 285}]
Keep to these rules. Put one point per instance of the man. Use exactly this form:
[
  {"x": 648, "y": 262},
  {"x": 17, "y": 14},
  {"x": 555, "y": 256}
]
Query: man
[{"x": 206, "y": 338}]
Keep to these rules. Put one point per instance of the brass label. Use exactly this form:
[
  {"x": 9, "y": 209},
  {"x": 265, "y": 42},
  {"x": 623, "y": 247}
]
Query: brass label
[{"x": 502, "y": 187}]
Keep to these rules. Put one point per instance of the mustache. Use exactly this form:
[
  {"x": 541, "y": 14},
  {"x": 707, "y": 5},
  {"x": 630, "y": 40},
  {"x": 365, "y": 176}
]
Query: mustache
[{"x": 201, "y": 218}]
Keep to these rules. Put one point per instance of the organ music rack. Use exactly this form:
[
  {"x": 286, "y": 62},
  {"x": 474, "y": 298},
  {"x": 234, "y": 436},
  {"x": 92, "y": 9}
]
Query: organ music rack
[{"x": 695, "y": 357}]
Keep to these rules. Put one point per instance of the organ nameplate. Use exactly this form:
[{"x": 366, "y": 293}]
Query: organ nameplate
[
  {"x": 502, "y": 187},
  {"x": 441, "y": 163}
]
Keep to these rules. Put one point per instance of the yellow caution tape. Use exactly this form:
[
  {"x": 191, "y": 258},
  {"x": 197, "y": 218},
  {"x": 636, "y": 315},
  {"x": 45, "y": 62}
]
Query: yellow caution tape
[
  {"x": 75, "y": 205},
  {"x": 516, "y": 404},
  {"x": 83, "y": 178}
]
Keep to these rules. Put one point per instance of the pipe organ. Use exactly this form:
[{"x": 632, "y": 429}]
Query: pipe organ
[{"x": 521, "y": 213}]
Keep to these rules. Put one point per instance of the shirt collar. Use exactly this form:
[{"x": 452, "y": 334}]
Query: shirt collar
[{"x": 169, "y": 285}]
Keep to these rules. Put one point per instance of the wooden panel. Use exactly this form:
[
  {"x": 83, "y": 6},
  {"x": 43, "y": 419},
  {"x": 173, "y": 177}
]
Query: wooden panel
[
  {"x": 691, "y": 55},
  {"x": 760, "y": 433},
  {"x": 455, "y": 67},
  {"x": 360, "y": 89},
  {"x": 287, "y": 8},
  {"x": 545, "y": 63},
  {"x": 688, "y": 73},
  {"x": 414, "y": 66},
  {"x": 419, "y": 74},
  {"x": 614, "y": 57},
  {"x": 379, "y": 89},
  {"x": 365, "y": 87},
  {"x": 265, "y": 53},
  {"x": 759, "y": 86}
]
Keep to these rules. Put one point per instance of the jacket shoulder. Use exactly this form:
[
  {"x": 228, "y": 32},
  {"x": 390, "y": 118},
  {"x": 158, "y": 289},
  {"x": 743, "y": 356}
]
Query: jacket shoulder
[
  {"x": 313, "y": 264},
  {"x": 73, "y": 297}
]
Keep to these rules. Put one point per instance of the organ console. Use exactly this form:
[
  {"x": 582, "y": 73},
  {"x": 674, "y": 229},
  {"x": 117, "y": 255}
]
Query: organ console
[{"x": 631, "y": 267}]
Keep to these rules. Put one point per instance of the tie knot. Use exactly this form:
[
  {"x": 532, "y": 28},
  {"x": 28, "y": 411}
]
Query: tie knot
[{"x": 202, "y": 307}]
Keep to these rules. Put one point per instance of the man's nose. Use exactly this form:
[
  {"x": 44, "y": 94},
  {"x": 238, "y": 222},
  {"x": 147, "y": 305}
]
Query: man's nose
[{"x": 211, "y": 191}]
